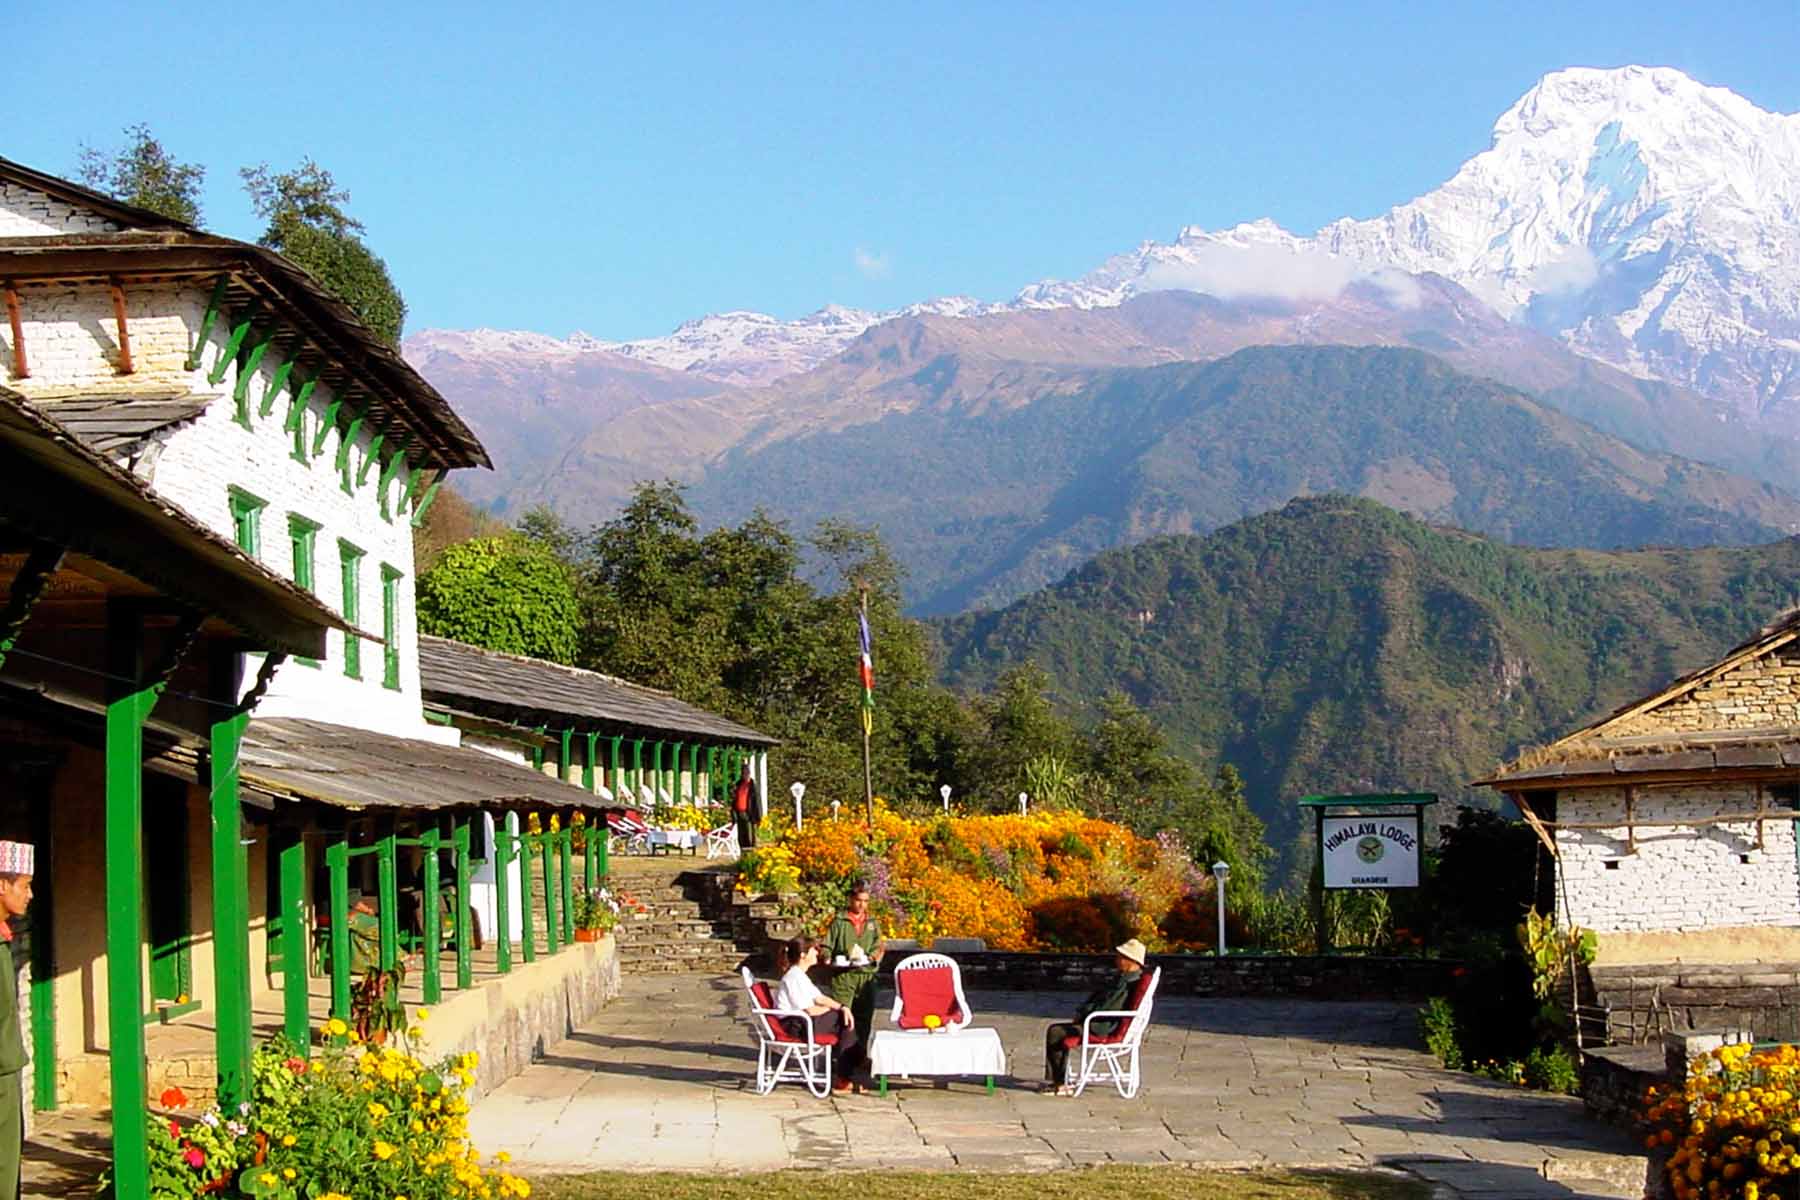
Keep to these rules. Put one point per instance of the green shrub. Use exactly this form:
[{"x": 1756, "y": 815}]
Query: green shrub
[
  {"x": 1278, "y": 923},
  {"x": 1553, "y": 1069},
  {"x": 1437, "y": 1025}
]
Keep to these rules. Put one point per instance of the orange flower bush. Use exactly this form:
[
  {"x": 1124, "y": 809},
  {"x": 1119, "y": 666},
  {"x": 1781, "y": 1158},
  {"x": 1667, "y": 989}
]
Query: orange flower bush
[
  {"x": 1045, "y": 881},
  {"x": 1733, "y": 1129}
]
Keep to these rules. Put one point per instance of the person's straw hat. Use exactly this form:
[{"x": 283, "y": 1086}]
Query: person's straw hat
[{"x": 1134, "y": 950}]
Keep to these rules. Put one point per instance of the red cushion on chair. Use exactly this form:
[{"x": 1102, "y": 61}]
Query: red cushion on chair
[
  {"x": 925, "y": 991},
  {"x": 825, "y": 1039},
  {"x": 1133, "y": 1002},
  {"x": 760, "y": 990}
]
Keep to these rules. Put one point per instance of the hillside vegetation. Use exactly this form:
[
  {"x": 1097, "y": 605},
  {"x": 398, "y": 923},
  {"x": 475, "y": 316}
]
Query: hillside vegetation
[
  {"x": 984, "y": 497},
  {"x": 1337, "y": 645}
]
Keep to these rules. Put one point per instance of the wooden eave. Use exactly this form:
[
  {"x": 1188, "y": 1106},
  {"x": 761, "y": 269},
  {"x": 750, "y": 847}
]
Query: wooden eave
[
  {"x": 316, "y": 327},
  {"x": 59, "y": 491}
]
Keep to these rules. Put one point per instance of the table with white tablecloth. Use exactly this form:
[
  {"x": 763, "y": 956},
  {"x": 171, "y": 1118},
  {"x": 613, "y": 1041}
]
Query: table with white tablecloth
[
  {"x": 953, "y": 1052},
  {"x": 675, "y": 839}
]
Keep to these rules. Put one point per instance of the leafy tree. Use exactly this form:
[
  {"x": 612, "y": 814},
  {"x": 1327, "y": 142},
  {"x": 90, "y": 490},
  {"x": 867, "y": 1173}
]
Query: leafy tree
[
  {"x": 144, "y": 173},
  {"x": 505, "y": 593},
  {"x": 307, "y": 223},
  {"x": 1019, "y": 725}
]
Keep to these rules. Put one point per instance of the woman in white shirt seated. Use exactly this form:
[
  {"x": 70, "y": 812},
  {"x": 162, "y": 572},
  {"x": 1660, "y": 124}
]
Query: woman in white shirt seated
[{"x": 798, "y": 993}]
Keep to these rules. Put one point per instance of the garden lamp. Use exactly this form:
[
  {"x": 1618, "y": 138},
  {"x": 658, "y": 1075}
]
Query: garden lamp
[
  {"x": 1023, "y": 802},
  {"x": 799, "y": 790},
  {"x": 1221, "y": 872},
  {"x": 834, "y": 809},
  {"x": 944, "y": 791}
]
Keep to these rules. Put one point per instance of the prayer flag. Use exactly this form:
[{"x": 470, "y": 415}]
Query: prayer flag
[{"x": 867, "y": 670}]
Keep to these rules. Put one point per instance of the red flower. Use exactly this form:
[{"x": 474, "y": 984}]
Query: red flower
[
  {"x": 174, "y": 1097},
  {"x": 296, "y": 1064},
  {"x": 174, "y": 1130},
  {"x": 195, "y": 1157},
  {"x": 1459, "y": 972}
]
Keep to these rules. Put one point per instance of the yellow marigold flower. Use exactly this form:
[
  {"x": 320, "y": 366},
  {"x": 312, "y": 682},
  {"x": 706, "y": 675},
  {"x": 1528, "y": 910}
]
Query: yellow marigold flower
[
  {"x": 421, "y": 1014},
  {"x": 502, "y": 1156},
  {"x": 336, "y": 1027},
  {"x": 287, "y": 1139},
  {"x": 267, "y": 1179},
  {"x": 287, "y": 1172},
  {"x": 384, "y": 1150},
  {"x": 355, "y": 1037}
]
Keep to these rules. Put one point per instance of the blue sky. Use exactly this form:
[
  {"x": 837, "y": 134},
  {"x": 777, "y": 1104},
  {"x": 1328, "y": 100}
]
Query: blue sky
[{"x": 619, "y": 169}]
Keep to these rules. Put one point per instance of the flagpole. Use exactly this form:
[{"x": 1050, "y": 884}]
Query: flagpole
[{"x": 867, "y": 724}]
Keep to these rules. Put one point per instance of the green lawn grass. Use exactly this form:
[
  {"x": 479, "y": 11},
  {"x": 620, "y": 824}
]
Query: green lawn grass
[{"x": 1100, "y": 1183}]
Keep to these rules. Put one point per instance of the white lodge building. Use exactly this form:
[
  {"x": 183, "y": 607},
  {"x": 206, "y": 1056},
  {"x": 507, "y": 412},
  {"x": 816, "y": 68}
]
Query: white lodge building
[{"x": 246, "y": 397}]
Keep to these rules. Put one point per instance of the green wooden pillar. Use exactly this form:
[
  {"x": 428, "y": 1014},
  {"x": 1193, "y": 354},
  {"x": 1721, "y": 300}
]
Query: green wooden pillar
[
  {"x": 602, "y": 851},
  {"x": 296, "y": 1021},
  {"x": 527, "y": 939},
  {"x": 388, "y": 886},
  {"x": 337, "y": 868},
  {"x": 618, "y": 772},
  {"x": 656, "y": 768},
  {"x": 43, "y": 966},
  {"x": 564, "y": 754},
  {"x": 712, "y": 772},
  {"x": 504, "y": 851},
  {"x": 552, "y": 926},
  {"x": 675, "y": 788},
  {"x": 566, "y": 844},
  {"x": 465, "y": 933},
  {"x": 637, "y": 772},
  {"x": 595, "y": 834},
  {"x": 127, "y": 708},
  {"x": 587, "y": 763},
  {"x": 694, "y": 795},
  {"x": 430, "y": 904},
  {"x": 231, "y": 917}
]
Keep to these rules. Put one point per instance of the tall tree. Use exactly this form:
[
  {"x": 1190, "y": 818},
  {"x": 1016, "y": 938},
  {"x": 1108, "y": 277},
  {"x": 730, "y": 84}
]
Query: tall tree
[
  {"x": 144, "y": 173},
  {"x": 505, "y": 593},
  {"x": 307, "y": 222}
]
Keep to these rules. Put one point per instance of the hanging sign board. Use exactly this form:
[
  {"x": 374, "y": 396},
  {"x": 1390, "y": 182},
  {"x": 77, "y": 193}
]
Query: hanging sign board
[{"x": 1376, "y": 851}]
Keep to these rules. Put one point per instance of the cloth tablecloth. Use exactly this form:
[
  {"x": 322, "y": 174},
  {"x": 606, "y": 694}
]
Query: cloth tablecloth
[
  {"x": 959, "y": 1052},
  {"x": 680, "y": 839}
]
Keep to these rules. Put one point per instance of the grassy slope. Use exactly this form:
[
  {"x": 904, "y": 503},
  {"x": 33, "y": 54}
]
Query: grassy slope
[{"x": 1336, "y": 645}]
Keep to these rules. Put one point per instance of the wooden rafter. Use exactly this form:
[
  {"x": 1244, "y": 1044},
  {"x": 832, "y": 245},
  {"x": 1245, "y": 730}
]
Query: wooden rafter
[
  {"x": 1532, "y": 819},
  {"x": 20, "y": 368},
  {"x": 118, "y": 303}
]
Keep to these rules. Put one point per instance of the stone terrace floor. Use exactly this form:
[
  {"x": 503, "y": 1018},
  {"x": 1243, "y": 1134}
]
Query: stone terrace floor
[{"x": 662, "y": 1080}]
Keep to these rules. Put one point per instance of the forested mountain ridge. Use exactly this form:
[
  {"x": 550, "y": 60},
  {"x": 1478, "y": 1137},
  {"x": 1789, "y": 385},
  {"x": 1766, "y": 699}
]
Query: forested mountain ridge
[
  {"x": 1337, "y": 645},
  {"x": 985, "y": 494}
]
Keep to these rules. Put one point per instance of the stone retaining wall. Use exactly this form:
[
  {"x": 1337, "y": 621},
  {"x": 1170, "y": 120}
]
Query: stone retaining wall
[{"x": 1643, "y": 1001}]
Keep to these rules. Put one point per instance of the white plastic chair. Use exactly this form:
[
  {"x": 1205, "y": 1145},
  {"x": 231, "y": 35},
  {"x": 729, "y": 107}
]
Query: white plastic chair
[
  {"x": 627, "y": 834},
  {"x": 925, "y": 959},
  {"x": 780, "y": 1056},
  {"x": 1116, "y": 1062},
  {"x": 722, "y": 842}
]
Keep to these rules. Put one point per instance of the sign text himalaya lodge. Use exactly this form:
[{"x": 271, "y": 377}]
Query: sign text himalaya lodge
[{"x": 1371, "y": 851}]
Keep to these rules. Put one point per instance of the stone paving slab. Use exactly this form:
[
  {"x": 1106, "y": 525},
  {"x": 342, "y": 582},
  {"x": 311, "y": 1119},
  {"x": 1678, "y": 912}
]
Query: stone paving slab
[{"x": 662, "y": 1079}]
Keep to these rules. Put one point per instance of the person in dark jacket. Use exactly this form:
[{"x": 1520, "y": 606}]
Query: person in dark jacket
[
  {"x": 1113, "y": 996},
  {"x": 16, "y": 866},
  {"x": 745, "y": 810}
]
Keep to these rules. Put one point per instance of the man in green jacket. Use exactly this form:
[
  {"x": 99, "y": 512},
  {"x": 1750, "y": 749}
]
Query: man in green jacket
[
  {"x": 855, "y": 937},
  {"x": 16, "y": 865},
  {"x": 1112, "y": 996}
]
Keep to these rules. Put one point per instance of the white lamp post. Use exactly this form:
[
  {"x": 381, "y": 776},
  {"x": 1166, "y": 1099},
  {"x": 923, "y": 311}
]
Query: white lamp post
[
  {"x": 944, "y": 791},
  {"x": 799, "y": 790},
  {"x": 1221, "y": 872},
  {"x": 834, "y": 809},
  {"x": 1023, "y": 802}
]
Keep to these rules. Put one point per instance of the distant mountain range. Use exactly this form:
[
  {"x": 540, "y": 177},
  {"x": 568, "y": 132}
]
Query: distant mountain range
[
  {"x": 1336, "y": 646},
  {"x": 1626, "y": 252}
]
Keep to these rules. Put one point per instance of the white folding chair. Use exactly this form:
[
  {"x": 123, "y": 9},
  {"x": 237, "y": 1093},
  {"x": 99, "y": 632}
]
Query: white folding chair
[
  {"x": 928, "y": 991},
  {"x": 722, "y": 842},
  {"x": 780, "y": 1056},
  {"x": 1114, "y": 1059},
  {"x": 627, "y": 834}
]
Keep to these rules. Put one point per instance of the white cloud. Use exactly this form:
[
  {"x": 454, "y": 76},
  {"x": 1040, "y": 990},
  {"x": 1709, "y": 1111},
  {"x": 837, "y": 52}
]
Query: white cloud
[
  {"x": 873, "y": 264},
  {"x": 1282, "y": 272},
  {"x": 1575, "y": 270}
]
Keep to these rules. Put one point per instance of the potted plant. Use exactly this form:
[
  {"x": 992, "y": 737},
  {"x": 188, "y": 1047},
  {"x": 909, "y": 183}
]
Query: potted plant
[{"x": 596, "y": 912}]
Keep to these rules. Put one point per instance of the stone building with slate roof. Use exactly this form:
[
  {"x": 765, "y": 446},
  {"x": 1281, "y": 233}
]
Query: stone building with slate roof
[
  {"x": 228, "y": 391},
  {"x": 1672, "y": 824}
]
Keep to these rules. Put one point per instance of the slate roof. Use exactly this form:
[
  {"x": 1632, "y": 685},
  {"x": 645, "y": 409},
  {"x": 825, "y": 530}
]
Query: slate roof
[
  {"x": 1591, "y": 755},
  {"x": 116, "y": 423},
  {"x": 532, "y": 692},
  {"x": 292, "y": 758},
  {"x": 144, "y": 535}
]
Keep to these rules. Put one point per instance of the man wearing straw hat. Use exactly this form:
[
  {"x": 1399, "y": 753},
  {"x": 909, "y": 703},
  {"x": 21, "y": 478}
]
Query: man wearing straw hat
[
  {"x": 1114, "y": 996},
  {"x": 16, "y": 863}
]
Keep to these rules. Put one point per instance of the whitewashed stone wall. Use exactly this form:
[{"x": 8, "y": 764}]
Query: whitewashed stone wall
[
  {"x": 25, "y": 212},
  {"x": 70, "y": 340},
  {"x": 1683, "y": 877}
]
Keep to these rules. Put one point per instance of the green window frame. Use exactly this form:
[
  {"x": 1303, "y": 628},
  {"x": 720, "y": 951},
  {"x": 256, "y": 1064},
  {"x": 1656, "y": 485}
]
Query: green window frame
[
  {"x": 390, "y": 621},
  {"x": 246, "y": 520},
  {"x": 303, "y": 536},
  {"x": 350, "y": 566}
]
